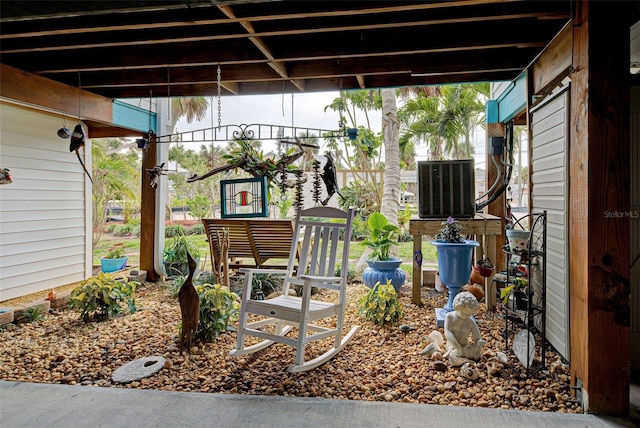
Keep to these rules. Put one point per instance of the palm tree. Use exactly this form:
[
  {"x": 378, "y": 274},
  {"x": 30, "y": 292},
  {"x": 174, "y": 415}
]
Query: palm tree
[
  {"x": 443, "y": 121},
  {"x": 115, "y": 175},
  {"x": 391, "y": 187},
  {"x": 419, "y": 116},
  {"x": 390, "y": 129},
  {"x": 463, "y": 110},
  {"x": 192, "y": 108}
]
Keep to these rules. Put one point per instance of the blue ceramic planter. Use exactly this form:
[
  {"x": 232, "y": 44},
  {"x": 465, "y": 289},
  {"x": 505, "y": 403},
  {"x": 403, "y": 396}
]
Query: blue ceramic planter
[
  {"x": 113, "y": 265},
  {"x": 454, "y": 266},
  {"x": 382, "y": 271}
]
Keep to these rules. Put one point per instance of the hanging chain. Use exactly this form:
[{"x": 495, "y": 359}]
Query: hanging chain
[{"x": 219, "y": 77}]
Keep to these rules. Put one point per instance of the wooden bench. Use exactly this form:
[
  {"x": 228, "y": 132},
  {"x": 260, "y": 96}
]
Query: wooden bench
[{"x": 255, "y": 239}]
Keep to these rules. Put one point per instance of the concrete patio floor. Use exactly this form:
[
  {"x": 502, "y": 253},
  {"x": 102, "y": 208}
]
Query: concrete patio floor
[{"x": 49, "y": 405}]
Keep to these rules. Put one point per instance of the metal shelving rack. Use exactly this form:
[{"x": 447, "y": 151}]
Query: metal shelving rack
[{"x": 531, "y": 316}]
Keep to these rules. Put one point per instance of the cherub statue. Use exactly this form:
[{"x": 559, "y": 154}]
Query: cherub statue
[{"x": 458, "y": 325}]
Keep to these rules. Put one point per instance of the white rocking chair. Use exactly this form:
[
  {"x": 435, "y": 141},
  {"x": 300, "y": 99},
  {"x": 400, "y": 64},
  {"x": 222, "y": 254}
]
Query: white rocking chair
[{"x": 317, "y": 231}]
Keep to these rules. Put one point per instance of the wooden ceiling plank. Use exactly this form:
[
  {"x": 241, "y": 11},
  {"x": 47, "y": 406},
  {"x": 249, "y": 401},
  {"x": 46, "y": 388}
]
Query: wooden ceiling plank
[
  {"x": 278, "y": 66},
  {"x": 48, "y": 30},
  {"x": 148, "y": 60},
  {"x": 336, "y": 29}
]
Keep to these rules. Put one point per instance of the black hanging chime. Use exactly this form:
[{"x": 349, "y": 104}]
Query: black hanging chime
[
  {"x": 299, "y": 201},
  {"x": 316, "y": 191}
]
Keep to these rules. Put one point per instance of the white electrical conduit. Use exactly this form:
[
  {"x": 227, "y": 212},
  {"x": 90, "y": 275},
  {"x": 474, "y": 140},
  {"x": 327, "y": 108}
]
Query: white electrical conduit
[{"x": 496, "y": 182}]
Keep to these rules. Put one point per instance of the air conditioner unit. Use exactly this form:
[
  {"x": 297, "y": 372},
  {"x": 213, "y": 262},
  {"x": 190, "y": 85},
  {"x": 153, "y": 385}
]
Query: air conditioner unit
[{"x": 446, "y": 188}]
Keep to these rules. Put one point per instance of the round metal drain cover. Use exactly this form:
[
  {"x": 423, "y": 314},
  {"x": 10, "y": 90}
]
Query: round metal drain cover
[{"x": 138, "y": 369}]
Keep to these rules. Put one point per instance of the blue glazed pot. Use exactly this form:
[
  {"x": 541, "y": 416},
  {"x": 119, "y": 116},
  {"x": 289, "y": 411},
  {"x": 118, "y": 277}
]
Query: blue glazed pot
[
  {"x": 383, "y": 270},
  {"x": 113, "y": 265},
  {"x": 454, "y": 265}
]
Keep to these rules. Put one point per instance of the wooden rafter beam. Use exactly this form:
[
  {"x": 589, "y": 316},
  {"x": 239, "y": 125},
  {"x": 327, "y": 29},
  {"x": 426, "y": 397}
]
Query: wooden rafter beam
[
  {"x": 340, "y": 56},
  {"x": 49, "y": 24},
  {"x": 259, "y": 43},
  {"x": 31, "y": 47}
]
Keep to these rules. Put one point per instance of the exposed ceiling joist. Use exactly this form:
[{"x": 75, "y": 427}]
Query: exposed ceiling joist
[{"x": 124, "y": 49}]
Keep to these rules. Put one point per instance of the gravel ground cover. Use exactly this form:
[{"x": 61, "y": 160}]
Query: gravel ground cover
[{"x": 379, "y": 364}]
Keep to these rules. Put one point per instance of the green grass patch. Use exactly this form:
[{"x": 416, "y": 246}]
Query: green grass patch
[{"x": 132, "y": 249}]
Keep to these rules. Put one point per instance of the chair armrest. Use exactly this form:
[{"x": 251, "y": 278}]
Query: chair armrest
[{"x": 321, "y": 278}]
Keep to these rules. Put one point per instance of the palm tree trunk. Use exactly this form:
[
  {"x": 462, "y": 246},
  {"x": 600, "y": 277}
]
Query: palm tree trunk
[
  {"x": 391, "y": 187},
  {"x": 390, "y": 128}
]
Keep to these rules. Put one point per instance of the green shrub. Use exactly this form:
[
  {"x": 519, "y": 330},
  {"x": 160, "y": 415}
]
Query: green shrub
[
  {"x": 115, "y": 252},
  {"x": 173, "y": 230},
  {"x": 175, "y": 284},
  {"x": 218, "y": 308},
  {"x": 124, "y": 230},
  {"x": 31, "y": 314},
  {"x": 100, "y": 297},
  {"x": 199, "y": 206},
  {"x": 360, "y": 229},
  {"x": 196, "y": 229},
  {"x": 265, "y": 284},
  {"x": 111, "y": 227},
  {"x": 351, "y": 273},
  {"x": 381, "y": 305},
  {"x": 175, "y": 255}
]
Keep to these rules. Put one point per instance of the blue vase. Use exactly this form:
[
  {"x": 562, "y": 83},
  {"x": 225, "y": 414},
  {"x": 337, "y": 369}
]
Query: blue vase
[
  {"x": 454, "y": 266},
  {"x": 383, "y": 270}
]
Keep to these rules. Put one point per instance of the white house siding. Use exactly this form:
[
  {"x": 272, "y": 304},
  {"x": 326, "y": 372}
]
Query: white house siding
[
  {"x": 549, "y": 132},
  {"x": 45, "y": 212}
]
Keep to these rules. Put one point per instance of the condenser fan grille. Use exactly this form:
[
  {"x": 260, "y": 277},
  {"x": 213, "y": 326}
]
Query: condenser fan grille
[{"x": 446, "y": 188}]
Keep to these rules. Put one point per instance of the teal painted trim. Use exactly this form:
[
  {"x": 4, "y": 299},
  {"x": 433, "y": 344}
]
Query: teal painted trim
[
  {"x": 509, "y": 103},
  {"x": 132, "y": 117},
  {"x": 491, "y": 111}
]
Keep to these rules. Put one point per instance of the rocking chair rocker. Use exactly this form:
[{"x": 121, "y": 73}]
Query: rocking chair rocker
[{"x": 319, "y": 231}]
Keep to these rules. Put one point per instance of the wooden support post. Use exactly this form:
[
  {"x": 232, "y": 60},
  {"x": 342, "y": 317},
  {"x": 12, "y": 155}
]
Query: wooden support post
[
  {"x": 496, "y": 207},
  {"x": 148, "y": 213},
  {"x": 599, "y": 173}
]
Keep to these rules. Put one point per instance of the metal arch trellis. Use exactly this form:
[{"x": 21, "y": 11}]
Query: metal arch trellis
[{"x": 244, "y": 132}]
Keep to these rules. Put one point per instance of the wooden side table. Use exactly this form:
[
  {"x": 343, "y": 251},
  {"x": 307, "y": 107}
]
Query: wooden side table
[{"x": 485, "y": 227}]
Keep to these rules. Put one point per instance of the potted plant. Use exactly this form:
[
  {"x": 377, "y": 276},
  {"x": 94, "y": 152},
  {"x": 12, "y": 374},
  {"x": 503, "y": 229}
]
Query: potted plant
[
  {"x": 382, "y": 267},
  {"x": 175, "y": 255},
  {"x": 454, "y": 261},
  {"x": 485, "y": 267},
  {"x": 518, "y": 239},
  {"x": 114, "y": 260},
  {"x": 516, "y": 293}
]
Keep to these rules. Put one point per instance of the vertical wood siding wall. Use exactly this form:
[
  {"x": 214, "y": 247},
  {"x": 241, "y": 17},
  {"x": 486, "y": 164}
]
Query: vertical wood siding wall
[
  {"x": 43, "y": 233},
  {"x": 635, "y": 230},
  {"x": 549, "y": 192}
]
